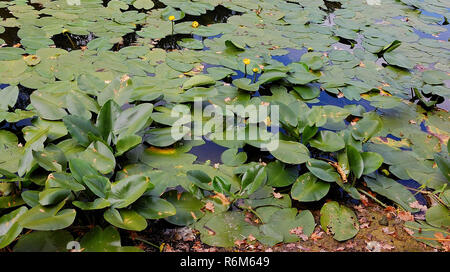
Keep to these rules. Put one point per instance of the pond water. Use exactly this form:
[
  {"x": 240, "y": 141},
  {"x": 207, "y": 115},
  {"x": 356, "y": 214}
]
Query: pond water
[
  {"x": 209, "y": 151},
  {"x": 328, "y": 65}
]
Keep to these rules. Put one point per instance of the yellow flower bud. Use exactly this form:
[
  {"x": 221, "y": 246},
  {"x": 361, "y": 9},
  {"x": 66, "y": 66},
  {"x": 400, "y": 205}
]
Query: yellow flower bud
[
  {"x": 64, "y": 31},
  {"x": 171, "y": 18},
  {"x": 310, "y": 49},
  {"x": 246, "y": 61},
  {"x": 255, "y": 70},
  {"x": 195, "y": 24}
]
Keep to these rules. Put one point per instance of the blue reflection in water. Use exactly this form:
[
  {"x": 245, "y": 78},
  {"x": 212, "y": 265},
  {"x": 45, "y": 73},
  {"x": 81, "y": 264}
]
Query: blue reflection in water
[
  {"x": 327, "y": 99},
  {"x": 208, "y": 151},
  {"x": 294, "y": 55},
  {"x": 415, "y": 185}
]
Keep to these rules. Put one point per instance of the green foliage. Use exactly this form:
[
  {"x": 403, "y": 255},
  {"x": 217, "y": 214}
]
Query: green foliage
[{"x": 95, "y": 136}]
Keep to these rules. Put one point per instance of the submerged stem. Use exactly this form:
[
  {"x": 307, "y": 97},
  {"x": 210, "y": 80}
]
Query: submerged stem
[
  {"x": 255, "y": 213},
  {"x": 372, "y": 197},
  {"x": 73, "y": 45},
  {"x": 147, "y": 242}
]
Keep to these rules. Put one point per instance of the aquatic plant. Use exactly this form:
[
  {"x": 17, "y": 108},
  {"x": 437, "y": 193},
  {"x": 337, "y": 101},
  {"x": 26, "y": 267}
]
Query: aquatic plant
[{"x": 89, "y": 90}]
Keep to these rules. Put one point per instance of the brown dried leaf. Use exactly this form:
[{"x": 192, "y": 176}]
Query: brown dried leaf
[{"x": 405, "y": 216}]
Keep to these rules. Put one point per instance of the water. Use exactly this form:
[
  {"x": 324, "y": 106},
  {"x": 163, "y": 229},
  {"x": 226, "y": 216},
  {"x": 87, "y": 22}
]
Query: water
[{"x": 211, "y": 151}]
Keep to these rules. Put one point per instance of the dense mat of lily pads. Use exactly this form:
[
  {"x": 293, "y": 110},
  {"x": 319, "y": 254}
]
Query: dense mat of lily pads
[{"x": 85, "y": 138}]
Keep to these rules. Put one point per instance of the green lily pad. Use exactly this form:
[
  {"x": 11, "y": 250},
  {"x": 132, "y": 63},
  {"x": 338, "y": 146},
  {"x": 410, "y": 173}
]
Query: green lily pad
[
  {"x": 438, "y": 216},
  {"x": 372, "y": 161},
  {"x": 322, "y": 170},
  {"x": 143, "y": 4},
  {"x": 232, "y": 157},
  {"x": 44, "y": 241},
  {"x": 187, "y": 208},
  {"x": 100, "y": 157},
  {"x": 125, "y": 219},
  {"x": 46, "y": 106},
  {"x": 128, "y": 190},
  {"x": 224, "y": 229},
  {"x": 307, "y": 188},
  {"x": 97, "y": 204},
  {"x": 154, "y": 207},
  {"x": 327, "y": 141},
  {"x": 47, "y": 218},
  {"x": 291, "y": 152},
  {"x": 278, "y": 175},
  {"x": 104, "y": 240},
  {"x": 340, "y": 220},
  {"x": 426, "y": 233},
  {"x": 283, "y": 221},
  {"x": 355, "y": 161},
  {"x": 198, "y": 80},
  {"x": 392, "y": 190},
  {"x": 9, "y": 226}
]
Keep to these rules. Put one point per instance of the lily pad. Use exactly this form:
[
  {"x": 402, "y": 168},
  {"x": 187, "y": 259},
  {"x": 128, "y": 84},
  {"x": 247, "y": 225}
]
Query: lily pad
[
  {"x": 307, "y": 188},
  {"x": 187, "y": 208},
  {"x": 340, "y": 220}
]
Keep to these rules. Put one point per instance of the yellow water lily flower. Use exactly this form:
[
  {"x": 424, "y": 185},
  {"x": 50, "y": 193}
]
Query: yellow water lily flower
[
  {"x": 255, "y": 70},
  {"x": 310, "y": 49},
  {"x": 246, "y": 61},
  {"x": 65, "y": 31},
  {"x": 195, "y": 24},
  {"x": 171, "y": 18}
]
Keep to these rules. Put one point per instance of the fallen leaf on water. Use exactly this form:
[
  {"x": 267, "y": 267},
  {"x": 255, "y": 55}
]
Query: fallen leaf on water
[
  {"x": 387, "y": 231},
  {"x": 209, "y": 206},
  {"x": 359, "y": 208},
  {"x": 364, "y": 200},
  {"x": 405, "y": 216},
  {"x": 350, "y": 244},
  {"x": 277, "y": 195},
  {"x": 417, "y": 205},
  {"x": 299, "y": 232},
  {"x": 239, "y": 243},
  {"x": 409, "y": 231},
  {"x": 364, "y": 226},
  {"x": 222, "y": 198},
  {"x": 317, "y": 235}
]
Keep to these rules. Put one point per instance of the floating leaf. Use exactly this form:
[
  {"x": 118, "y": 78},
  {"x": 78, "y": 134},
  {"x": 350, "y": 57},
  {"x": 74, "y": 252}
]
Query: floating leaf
[
  {"x": 327, "y": 141},
  {"x": 307, "y": 188},
  {"x": 339, "y": 220},
  {"x": 9, "y": 226},
  {"x": 392, "y": 190},
  {"x": 278, "y": 175},
  {"x": 322, "y": 170},
  {"x": 187, "y": 208},
  {"x": 46, "y": 106},
  {"x": 291, "y": 152},
  {"x": 125, "y": 219},
  {"x": 154, "y": 207},
  {"x": 438, "y": 216},
  {"x": 106, "y": 240},
  {"x": 355, "y": 160},
  {"x": 224, "y": 229},
  {"x": 232, "y": 157},
  {"x": 372, "y": 161},
  {"x": 283, "y": 221},
  {"x": 100, "y": 157},
  {"x": 128, "y": 190},
  {"x": 48, "y": 218},
  {"x": 44, "y": 241},
  {"x": 198, "y": 80}
]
